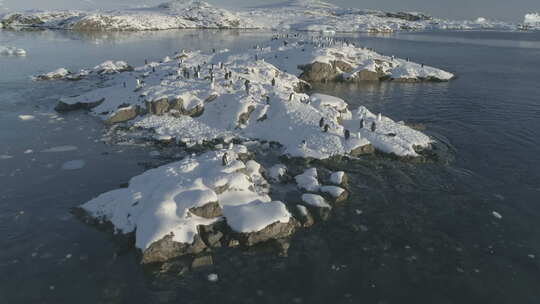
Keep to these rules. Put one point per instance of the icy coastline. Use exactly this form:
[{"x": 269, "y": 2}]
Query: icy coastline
[{"x": 299, "y": 15}]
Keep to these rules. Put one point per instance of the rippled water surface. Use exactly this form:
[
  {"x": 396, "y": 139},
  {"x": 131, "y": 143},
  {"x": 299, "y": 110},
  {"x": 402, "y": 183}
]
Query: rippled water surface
[{"x": 411, "y": 233}]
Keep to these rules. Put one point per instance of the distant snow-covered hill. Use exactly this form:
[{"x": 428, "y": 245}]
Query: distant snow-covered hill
[{"x": 302, "y": 15}]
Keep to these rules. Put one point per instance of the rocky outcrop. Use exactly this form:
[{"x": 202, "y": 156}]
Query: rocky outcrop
[
  {"x": 65, "y": 107},
  {"x": 123, "y": 115},
  {"x": 209, "y": 211},
  {"x": 167, "y": 249},
  {"x": 274, "y": 231}
]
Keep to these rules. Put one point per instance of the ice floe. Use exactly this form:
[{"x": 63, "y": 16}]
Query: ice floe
[
  {"x": 11, "y": 51},
  {"x": 73, "y": 164}
]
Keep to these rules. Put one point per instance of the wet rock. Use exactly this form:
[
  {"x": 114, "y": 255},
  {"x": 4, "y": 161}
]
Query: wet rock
[
  {"x": 210, "y": 210},
  {"x": 274, "y": 231},
  {"x": 123, "y": 115},
  {"x": 202, "y": 261},
  {"x": 304, "y": 216},
  {"x": 65, "y": 107},
  {"x": 335, "y": 194},
  {"x": 166, "y": 249}
]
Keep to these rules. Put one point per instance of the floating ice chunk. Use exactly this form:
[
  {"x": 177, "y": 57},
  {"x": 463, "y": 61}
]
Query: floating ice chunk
[
  {"x": 213, "y": 277},
  {"x": 5, "y": 156},
  {"x": 73, "y": 165},
  {"x": 496, "y": 214},
  {"x": 60, "y": 149},
  {"x": 315, "y": 201},
  {"x": 26, "y": 117}
]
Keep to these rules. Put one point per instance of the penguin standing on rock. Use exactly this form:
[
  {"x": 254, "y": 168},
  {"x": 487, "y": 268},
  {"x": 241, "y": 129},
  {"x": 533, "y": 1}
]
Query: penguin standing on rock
[
  {"x": 347, "y": 134},
  {"x": 291, "y": 96},
  {"x": 373, "y": 127},
  {"x": 267, "y": 100},
  {"x": 321, "y": 122},
  {"x": 304, "y": 144},
  {"x": 273, "y": 82},
  {"x": 326, "y": 128},
  {"x": 361, "y": 123}
]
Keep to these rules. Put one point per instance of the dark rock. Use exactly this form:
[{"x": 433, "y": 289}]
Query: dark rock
[
  {"x": 64, "y": 107},
  {"x": 166, "y": 249},
  {"x": 244, "y": 117},
  {"x": 274, "y": 231},
  {"x": 202, "y": 261},
  {"x": 304, "y": 216},
  {"x": 209, "y": 211},
  {"x": 123, "y": 115}
]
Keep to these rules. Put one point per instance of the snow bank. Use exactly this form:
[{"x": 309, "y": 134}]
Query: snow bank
[
  {"x": 161, "y": 202},
  {"x": 200, "y": 97}
]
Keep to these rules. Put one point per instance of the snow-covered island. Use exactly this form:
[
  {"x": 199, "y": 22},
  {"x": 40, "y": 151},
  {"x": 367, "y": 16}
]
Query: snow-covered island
[
  {"x": 301, "y": 15},
  {"x": 214, "y": 98}
]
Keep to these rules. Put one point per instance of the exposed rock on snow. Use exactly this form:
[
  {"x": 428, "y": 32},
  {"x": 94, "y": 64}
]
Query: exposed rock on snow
[
  {"x": 11, "y": 51},
  {"x": 200, "y": 97}
]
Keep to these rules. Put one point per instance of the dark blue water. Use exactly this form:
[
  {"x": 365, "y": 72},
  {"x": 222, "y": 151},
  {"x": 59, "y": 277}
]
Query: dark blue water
[{"x": 426, "y": 233}]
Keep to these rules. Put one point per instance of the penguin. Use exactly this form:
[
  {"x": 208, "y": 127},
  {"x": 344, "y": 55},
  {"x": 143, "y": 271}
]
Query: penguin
[
  {"x": 373, "y": 127},
  {"x": 291, "y": 96},
  {"x": 138, "y": 83},
  {"x": 153, "y": 69},
  {"x": 267, "y": 100},
  {"x": 347, "y": 134},
  {"x": 213, "y": 50},
  {"x": 361, "y": 123},
  {"x": 326, "y": 128},
  {"x": 304, "y": 144},
  {"x": 246, "y": 84},
  {"x": 422, "y": 65},
  {"x": 124, "y": 84},
  {"x": 379, "y": 117},
  {"x": 145, "y": 61},
  {"x": 225, "y": 159},
  {"x": 256, "y": 57},
  {"x": 321, "y": 122},
  {"x": 273, "y": 82}
]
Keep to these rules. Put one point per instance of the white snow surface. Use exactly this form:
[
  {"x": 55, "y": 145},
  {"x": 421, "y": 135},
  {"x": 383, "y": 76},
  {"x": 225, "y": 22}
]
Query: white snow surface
[
  {"x": 271, "y": 113},
  {"x": 302, "y": 15},
  {"x": 336, "y": 178},
  {"x": 308, "y": 180},
  {"x": 157, "y": 202},
  {"x": 333, "y": 191},
  {"x": 315, "y": 201}
]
